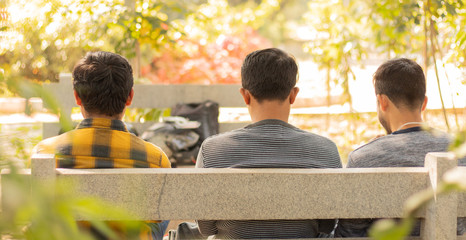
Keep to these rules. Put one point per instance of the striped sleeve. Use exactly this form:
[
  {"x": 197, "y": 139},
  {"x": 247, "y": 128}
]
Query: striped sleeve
[
  {"x": 200, "y": 158},
  {"x": 207, "y": 227}
]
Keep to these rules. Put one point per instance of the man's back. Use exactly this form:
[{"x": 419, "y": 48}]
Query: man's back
[
  {"x": 403, "y": 148},
  {"x": 268, "y": 144}
]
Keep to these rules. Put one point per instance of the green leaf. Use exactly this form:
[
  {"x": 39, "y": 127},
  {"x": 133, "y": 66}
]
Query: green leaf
[
  {"x": 455, "y": 179},
  {"x": 450, "y": 9},
  {"x": 458, "y": 145},
  {"x": 388, "y": 229}
]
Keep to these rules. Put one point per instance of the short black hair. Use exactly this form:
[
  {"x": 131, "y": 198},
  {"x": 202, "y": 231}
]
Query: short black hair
[
  {"x": 402, "y": 81},
  {"x": 269, "y": 74},
  {"x": 103, "y": 81}
]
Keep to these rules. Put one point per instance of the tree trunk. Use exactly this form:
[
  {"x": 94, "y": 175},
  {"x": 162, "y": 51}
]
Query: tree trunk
[
  {"x": 329, "y": 98},
  {"x": 432, "y": 35},
  {"x": 135, "y": 62}
]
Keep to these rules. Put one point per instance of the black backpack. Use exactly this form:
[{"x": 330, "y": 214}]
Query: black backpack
[{"x": 206, "y": 113}]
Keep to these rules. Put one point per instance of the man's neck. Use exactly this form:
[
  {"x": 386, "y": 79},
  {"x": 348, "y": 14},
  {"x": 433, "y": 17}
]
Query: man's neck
[
  {"x": 269, "y": 110},
  {"x": 96, "y": 115},
  {"x": 404, "y": 120}
]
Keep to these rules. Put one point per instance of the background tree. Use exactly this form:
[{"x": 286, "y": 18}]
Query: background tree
[
  {"x": 47, "y": 38},
  {"x": 363, "y": 29}
]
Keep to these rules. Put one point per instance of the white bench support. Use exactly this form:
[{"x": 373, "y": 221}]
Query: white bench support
[{"x": 440, "y": 220}]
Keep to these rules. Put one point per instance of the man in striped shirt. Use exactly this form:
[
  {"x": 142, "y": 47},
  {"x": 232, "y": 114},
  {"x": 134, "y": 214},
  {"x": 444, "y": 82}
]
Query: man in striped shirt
[
  {"x": 268, "y": 88},
  {"x": 103, "y": 87}
]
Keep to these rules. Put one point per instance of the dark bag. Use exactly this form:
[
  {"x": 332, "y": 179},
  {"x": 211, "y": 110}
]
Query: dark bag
[{"x": 206, "y": 113}]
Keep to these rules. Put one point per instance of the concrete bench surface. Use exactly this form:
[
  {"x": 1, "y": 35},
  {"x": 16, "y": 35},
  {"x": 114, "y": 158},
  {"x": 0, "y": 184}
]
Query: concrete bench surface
[{"x": 246, "y": 194}]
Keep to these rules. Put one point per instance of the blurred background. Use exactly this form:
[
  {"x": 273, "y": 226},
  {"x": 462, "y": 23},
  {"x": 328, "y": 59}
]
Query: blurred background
[{"x": 338, "y": 44}]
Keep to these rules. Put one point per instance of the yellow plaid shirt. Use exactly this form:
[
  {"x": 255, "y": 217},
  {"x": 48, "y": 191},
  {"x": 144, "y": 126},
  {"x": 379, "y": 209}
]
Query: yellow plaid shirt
[{"x": 103, "y": 143}]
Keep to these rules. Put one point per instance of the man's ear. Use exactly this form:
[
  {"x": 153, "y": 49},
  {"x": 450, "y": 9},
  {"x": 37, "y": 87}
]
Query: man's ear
[
  {"x": 424, "y": 104},
  {"x": 130, "y": 97},
  {"x": 383, "y": 101},
  {"x": 246, "y": 95},
  {"x": 77, "y": 98},
  {"x": 293, "y": 94}
]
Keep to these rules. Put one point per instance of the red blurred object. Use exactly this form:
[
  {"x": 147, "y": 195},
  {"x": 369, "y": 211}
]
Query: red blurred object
[{"x": 209, "y": 63}]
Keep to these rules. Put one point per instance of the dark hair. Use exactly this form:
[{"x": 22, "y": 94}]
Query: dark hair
[
  {"x": 402, "y": 81},
  {"x": 103, "y": 81},
  {"x": 269, "y": 74}
]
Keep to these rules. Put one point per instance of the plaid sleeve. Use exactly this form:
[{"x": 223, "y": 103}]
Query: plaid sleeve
[{"x": 156, "y": 157}]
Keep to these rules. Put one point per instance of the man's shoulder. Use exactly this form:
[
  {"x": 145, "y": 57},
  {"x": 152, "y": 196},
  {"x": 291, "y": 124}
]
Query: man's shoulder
[
  {"x": 433, "y": 136},
  {"x": 383, "y": 150},
  {"x": 48, "y": 145},
  {"x": 269, "y": 145},
  {"x": 255, "y": 132},
  {"x": 318, "y": 137},
  {"x": 220, "y": 138}
]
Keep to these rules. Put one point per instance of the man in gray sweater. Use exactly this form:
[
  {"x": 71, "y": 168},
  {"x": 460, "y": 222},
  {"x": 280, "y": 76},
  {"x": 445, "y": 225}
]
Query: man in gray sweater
[
  {"x": 268, "y": 89},
  {"x": 400, "y": 87}
]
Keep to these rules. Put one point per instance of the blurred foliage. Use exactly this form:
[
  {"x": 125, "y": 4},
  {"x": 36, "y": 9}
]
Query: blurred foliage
[
  {"x": 145, "y": 114},
  {"x": 338, "y": 39},
  {"x": 21, "y": 144},
  {"x": 362, "y": 29},
  {"x": 217, "y": 38},
  {"x": 458, "y": 146},
  {"x": 341, "y": 33},
  {"x": 34, "y": 210},
  {"x": 44, "y": 38}
]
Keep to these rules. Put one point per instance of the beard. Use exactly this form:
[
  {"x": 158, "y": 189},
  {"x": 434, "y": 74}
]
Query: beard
[{"x": 385, "y": 125}]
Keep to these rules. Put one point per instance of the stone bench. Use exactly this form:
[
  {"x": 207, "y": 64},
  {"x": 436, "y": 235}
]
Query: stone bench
[{"x": 247, "y": 194}]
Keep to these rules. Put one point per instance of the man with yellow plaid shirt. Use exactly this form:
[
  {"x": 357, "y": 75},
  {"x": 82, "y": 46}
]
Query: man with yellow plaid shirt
[{"x": 103, "y": 87}]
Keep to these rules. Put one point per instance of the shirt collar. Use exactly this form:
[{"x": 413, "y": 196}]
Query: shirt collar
[
  {"x": 103, "y": 123},
  {"x": 271, "y": 122},
  {"x": 408, "y": 130}
]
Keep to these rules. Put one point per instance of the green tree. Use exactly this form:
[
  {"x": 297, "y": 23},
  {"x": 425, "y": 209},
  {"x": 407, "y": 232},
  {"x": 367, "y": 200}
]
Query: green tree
[{"x": 48, "y": 37}]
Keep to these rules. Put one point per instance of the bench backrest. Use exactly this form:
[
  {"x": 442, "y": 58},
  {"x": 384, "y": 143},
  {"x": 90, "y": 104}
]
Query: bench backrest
[{"x": 245, "y": 194}]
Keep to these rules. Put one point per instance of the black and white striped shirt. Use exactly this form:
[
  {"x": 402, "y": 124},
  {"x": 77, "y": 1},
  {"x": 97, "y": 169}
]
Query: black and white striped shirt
[{"x": 269, "y": 143}]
